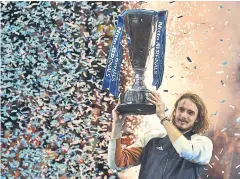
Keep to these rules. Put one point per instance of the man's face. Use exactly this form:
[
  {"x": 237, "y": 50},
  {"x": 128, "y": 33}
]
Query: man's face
[{"x": 185, "y": 115}]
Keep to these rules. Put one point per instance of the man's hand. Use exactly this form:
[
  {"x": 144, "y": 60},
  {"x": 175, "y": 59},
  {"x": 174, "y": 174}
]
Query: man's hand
[
  {"x": 156, "y": 99},
  {"x": 117, "y": 117},
  {"x": 117, "y": 123}
]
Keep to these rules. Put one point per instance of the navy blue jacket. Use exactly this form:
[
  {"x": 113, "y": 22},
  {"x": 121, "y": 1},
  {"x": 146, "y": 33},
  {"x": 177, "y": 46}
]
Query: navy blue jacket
[{"x": 160, "y": 160}]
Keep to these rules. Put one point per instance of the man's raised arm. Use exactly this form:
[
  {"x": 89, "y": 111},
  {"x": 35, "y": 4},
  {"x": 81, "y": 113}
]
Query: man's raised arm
[{"x": 118, "y": 157}]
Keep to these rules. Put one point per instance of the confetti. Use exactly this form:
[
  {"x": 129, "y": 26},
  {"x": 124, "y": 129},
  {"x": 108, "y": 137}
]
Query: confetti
[
  {"x": 222, "y": 83},
  {"x": 50, "y": 71},
  {"x": 189, "y": 59},
  {"x": 216, "y": 157},
  {"x": 222, "y": 101},
  {"x": 210, "y": 165},
  {"x": 223, "y": 129},
  {"x": 220, "y": 72},
  {"x": 224, "y": 63},
  {"x": 238, "y": 119},
  {"x": 221, "y": 151}
]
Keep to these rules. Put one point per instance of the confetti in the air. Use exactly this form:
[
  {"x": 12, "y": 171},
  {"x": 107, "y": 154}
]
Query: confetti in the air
[
  {"x": 224, "y": 63},
  {"x": 238, "y": 119},
  {"x": 222, "y": 82},
  {"x": 223, "y": 129},
  {"x": 222, "y": 101},
  {"x": 51, "y": 96},
  {"x": 189, "y": 59}
]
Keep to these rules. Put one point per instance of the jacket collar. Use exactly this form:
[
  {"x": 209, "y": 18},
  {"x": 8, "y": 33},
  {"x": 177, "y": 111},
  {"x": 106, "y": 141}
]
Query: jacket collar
[{"x": 188, "y": 134}]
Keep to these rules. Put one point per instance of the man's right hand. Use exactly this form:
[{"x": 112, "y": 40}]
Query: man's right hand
[
  {"x": 117, "y": 123},
  {"x": 117, "y": 117}
]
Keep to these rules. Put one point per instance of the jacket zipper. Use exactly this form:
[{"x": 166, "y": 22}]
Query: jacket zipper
[{"x": 165, "y": 167}]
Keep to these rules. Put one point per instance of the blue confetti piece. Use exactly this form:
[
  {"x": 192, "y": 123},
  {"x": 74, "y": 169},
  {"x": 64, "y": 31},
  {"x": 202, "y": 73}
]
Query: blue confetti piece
[
  {"x": 4, "y": 140},
  {"x": 12, "y": 155},
  {"x": 9, "y": 28},
  {"x": 93, "y": 78},
  {"x": 224, "y": 63},
  {"x": 189, "y": 59},
  {"x": 222, "y": 101},
  {"x": 61, "y": 136},
  {"x": 68, "y": 117},
  {"x": 12, "y": 165},
  {"x": 107, "y": 12}
]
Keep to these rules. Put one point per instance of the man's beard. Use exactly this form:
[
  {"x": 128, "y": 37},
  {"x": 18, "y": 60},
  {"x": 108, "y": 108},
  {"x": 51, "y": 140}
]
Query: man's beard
[{"x": 181, "y": 129}]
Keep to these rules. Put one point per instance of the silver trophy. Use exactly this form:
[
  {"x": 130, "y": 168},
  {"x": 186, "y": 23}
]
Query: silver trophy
[{"x": 140, "y": 28}]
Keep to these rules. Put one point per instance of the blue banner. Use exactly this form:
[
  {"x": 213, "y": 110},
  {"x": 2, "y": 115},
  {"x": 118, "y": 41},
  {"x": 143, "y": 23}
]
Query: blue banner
[
  {"x": 113, "y": 53},
  {"x": 115, "y": 74},
  {"x": 159, "y": 51}
]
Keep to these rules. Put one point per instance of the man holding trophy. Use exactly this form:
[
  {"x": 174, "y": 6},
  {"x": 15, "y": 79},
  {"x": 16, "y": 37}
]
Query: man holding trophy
[{"x": 181, "y": 152}]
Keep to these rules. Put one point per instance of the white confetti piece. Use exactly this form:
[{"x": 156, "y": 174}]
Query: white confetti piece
[
  {"x": 238, "y": 119},
  {"x": 219, "y": 72},
  {"x": 210, "y": 165}
]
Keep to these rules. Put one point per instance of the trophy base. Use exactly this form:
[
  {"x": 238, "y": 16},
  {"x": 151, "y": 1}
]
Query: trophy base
[
  {"x": 134, "y": 102},
  {"x": 137, "y": 109}
]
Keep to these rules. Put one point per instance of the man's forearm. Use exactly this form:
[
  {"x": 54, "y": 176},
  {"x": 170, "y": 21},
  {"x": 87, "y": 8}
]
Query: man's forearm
[
  {"x": 172, "y": 131},
  {"x": 115, "y": 145},
  {"x": 116, "y": 131}
]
